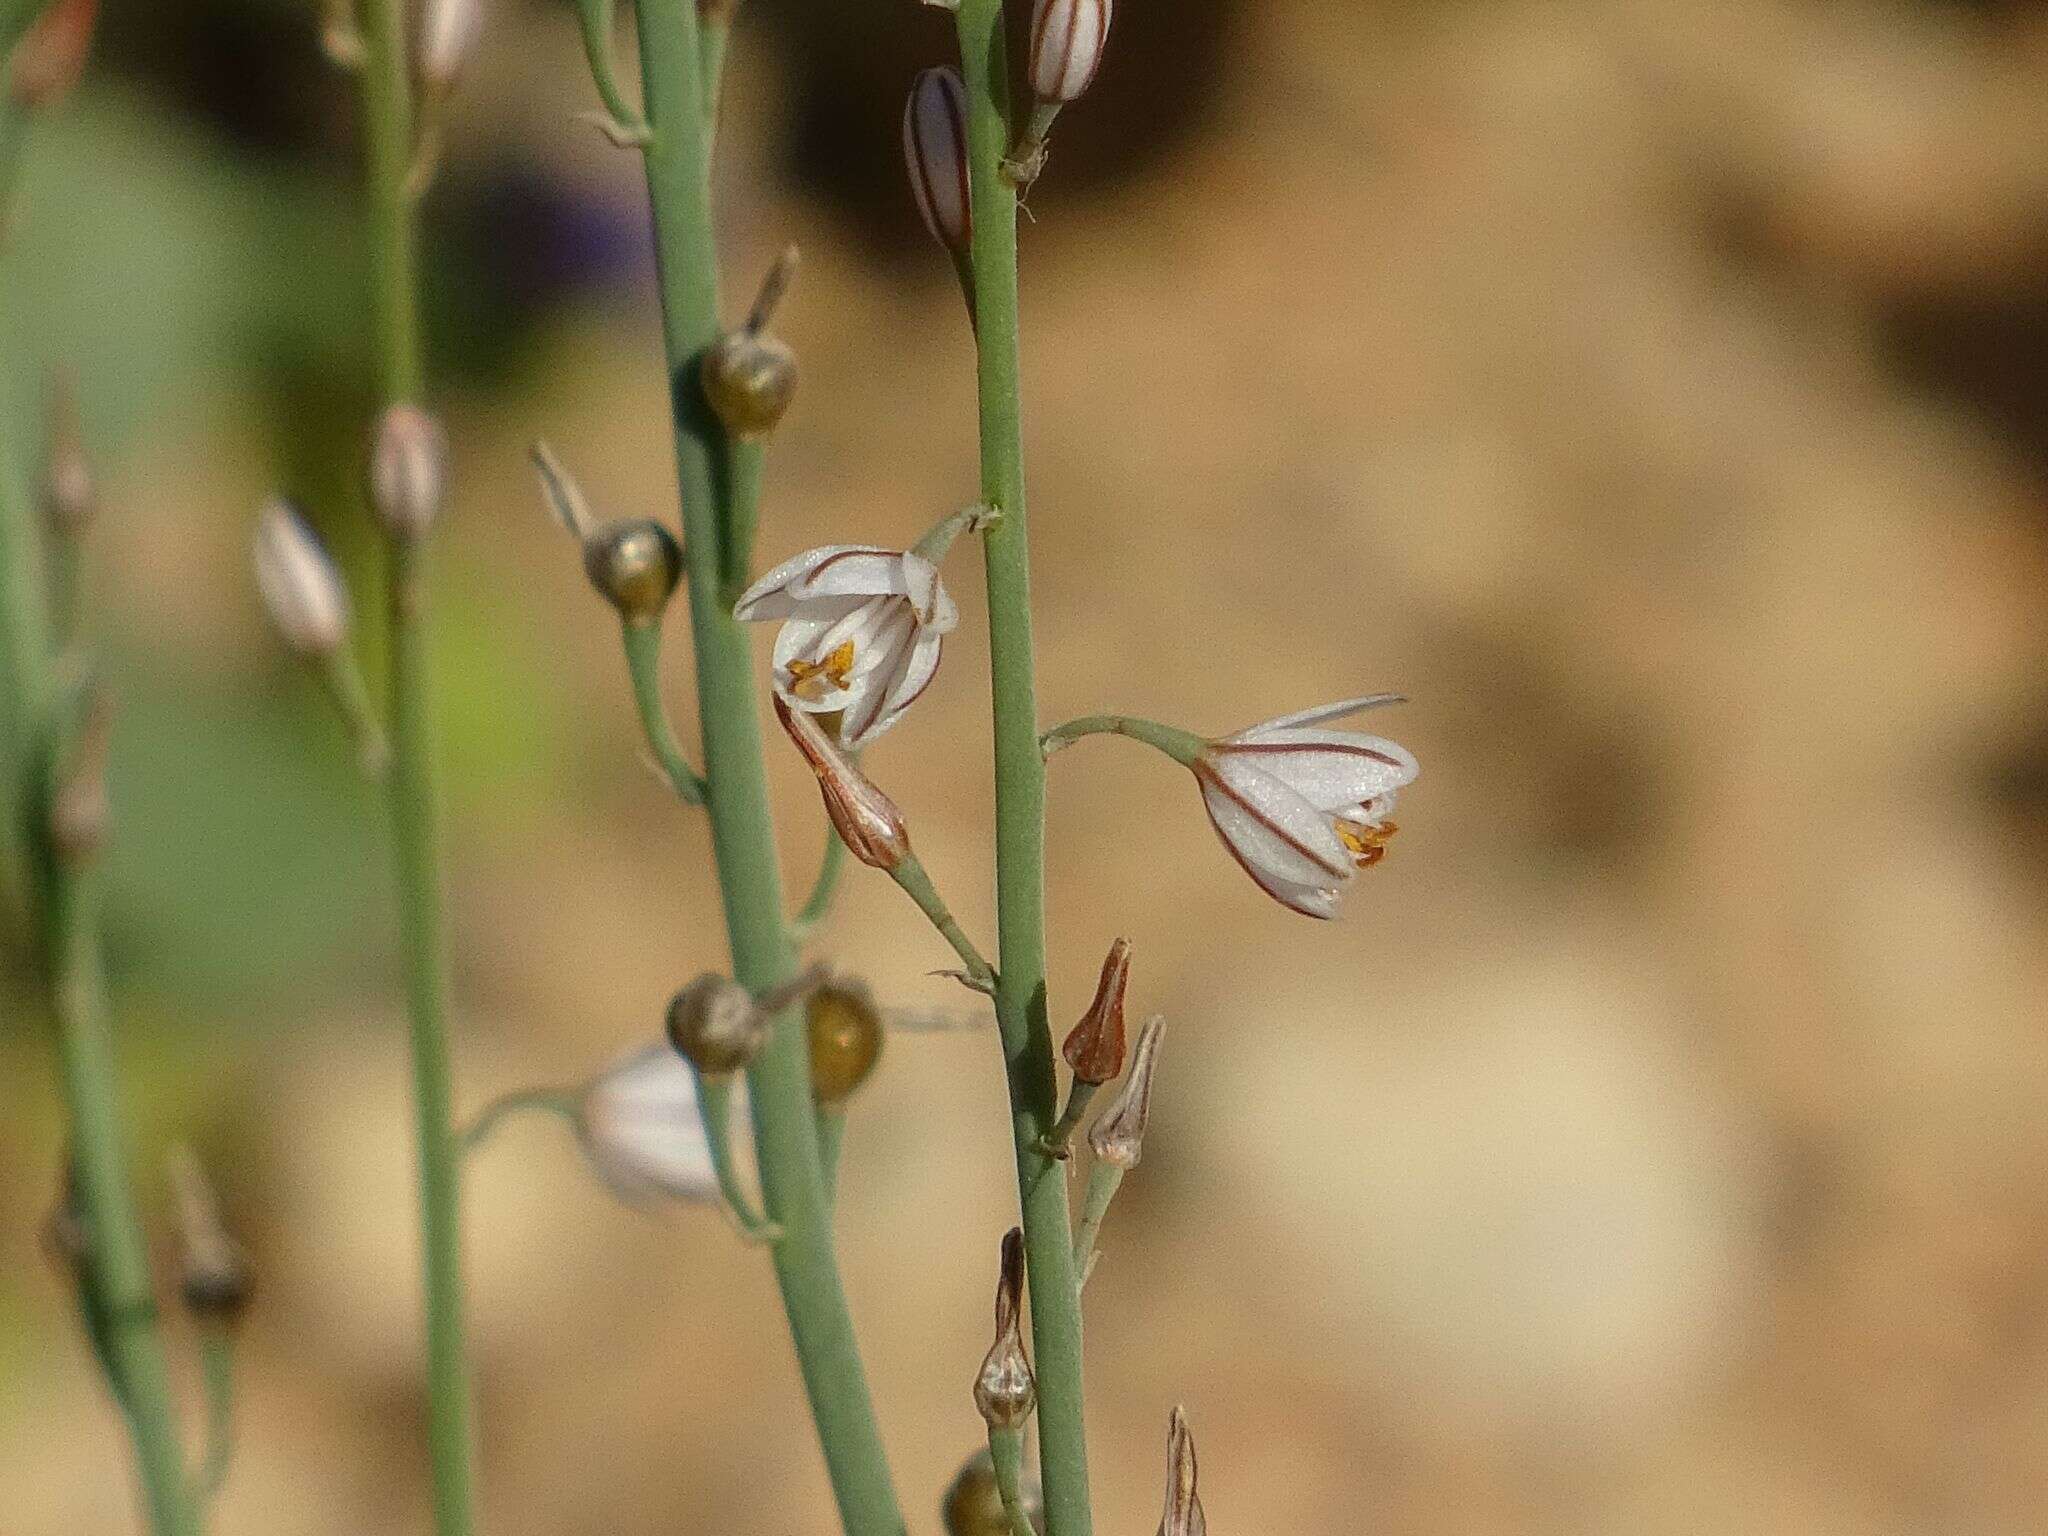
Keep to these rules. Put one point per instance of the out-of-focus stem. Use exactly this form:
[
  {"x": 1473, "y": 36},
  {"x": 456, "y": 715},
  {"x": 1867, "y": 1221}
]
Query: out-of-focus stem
[
  {"x": 217, "y": 1368},
  {"x": 413, "y": 786},
  {"x": 1020, "y": 781},
  {"x": 742, "y": 833},
  {"x": 643, "y": 661},
  {"x": 818, "y": 905}
]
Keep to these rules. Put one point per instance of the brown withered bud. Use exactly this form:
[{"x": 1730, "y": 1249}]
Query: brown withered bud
[
  {"x": 214, "y": 1279},
  {"x": 715, "y": 1026},
  {"x": 1095, "y": 1047},
  {"x": 1118, "y": 1135},
  {"x": 1183, "y": 1514},
  {"x": 1004, "y": 1389},
  {"x": 845, "y": 1029},
  {"x": 973, "y": 1503},
  {"x": 78, "y": 802},
  {"x": 635, "y": 566},
  {"x": 408, "y": 471},
  {"x": 51, "y": 55},
  {"x": 67, "y": 492},
  {"x": 866, "y": 820}
]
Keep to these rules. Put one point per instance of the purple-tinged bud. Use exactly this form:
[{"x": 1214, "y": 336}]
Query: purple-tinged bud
[
  {"x": 1118, "y": 1135},
  {"x": 1067, "y": 38},
  {"x": 214, "y": 1279},
  {"x": 1183, "y": 1514},
  {"x": 51, "y": 55},
  {"x": 1095, "y": 1046},
  {"x": 845, "y": 1031},
  {"x": 935, "y": 150},
  {"x": 448, "y": 35},
  {"x": 300, "y": 587},
  {"x": 714, "y": 1024},
  {"x": 408, "y": 471},
  {"x": 866, "y": 820},
  {"x": 1004, "y": 1389}
]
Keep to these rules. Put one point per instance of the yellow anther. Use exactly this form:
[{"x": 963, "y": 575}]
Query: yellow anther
[
  {"x": 810, "y": 679},
  {"x": 1368, "y": 844}
]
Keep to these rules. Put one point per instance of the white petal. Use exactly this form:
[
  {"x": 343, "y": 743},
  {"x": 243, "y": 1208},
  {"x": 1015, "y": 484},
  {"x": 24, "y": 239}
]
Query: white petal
[
  {"x": 1270, "y": 827},
  {"x": 773, "y": 597},
  {"x": 1321, "y": 714},
  {"x": 929, "y": 599},
  {"x": 857, "y": 571},
  {"x": 920, "y": 663},
  {"x": 866, "y": 695},
  {"x": 645, "y": 1133},
  {"x": 1330, "y": 769},
  {"x": 1322, "y": 901}
]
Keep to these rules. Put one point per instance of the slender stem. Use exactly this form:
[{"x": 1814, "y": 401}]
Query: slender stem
[
  {"x": 343, "y": 679},
  {"x": 643, "y": 661},
  {"x": 1182, "y": 746},
  {"x": 1103, "y": 1183},
  {"x": 1078, "y": 1098},
  {"x": 414, "y": 791},
  {"x": 217, "y": 1372},
  {"x": 831, "y": 1139},
  {"x": 551, "y": 1101},
  {"x": 714, "y": 1102},
  {"x": 745, "y": 461},
  {"x": 714, "y": 32},
  {"x": 1020, "y": 781},
  {"x": 742, "y": 834},
  {"x": 917, "y": 885},
  {"x": 817, "y": 905},
  {"x": 1006, "y": 1455}
]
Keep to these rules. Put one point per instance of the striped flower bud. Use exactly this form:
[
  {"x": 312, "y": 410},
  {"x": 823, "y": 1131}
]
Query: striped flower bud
[
  {"x": 935, "y": 150},
  {"x": 448, "y": 35},
  {"x": 408, "y": 471},
  {"x": 866, "y": 820},
  {"x": 1067, "y": 38},
  {"x": 301, "y": 590}
]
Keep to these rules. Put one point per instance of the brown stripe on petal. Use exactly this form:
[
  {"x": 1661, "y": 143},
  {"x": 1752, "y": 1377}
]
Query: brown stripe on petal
[
  {"x": 1209, "y": 776},
  {"x": 956, "y": 119},
  {"x": 1263, "y": 882},
  {"x": 1278, "y": 748}
]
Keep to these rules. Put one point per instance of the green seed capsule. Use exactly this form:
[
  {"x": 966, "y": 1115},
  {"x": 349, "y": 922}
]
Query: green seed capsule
[
  {"x": 846, "y": 1039},
  {"x": 749, "y": 380},
  {"x": 636, "y": 566},
  {"x": 714, "y": 1025}
]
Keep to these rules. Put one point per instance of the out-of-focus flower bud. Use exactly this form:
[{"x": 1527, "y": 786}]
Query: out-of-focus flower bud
[
  {"x": 67, "y": 492},
  {"x": 1183, "y": 1514},
  {"x": 214, "y": 1278},
  {"x": 408, "y": 471},
  {"x": 643, "y": 1129},
  {"x": 935, "y": 150},
  {"x": 1067, "y": 38},
  {"x": 750, "y": 376},
  {"x": 448, "y": 35},
  {"x": 1118, "y": 1135},
  {"x": 866, "y": 820},
  {"x": 51, "y": 55},
  {"x": 1004, "y": 1389},
  {"x": 635, "y": 567},
  {"x": 1095, "y": 1046},
  {"x": 78, "y": 802},
  {"x": 845, "y": 1030},
  {"x": 301, "y": 590},
  {"x": 715, "y": 1025},
  {"x": 973, "y": 1504}
]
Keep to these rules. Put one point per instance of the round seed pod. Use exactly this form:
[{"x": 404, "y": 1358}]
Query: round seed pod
[
  {"x": 973, "y": 1505},
  {"x": 749, "y": 379},
  {"x": 715, "y": 1026},
  {"x": 635, "y": 566},
  {"x": 846, "y": 1039}
]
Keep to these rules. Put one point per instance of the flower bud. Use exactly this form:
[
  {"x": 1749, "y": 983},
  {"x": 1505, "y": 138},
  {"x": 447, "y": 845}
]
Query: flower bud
[
  {"x": 67, "y": 493},
  {"x": 448, "y": 35},
  {"x": 213, "y": 1273},
  {"x": 973, "y": 1505},
  {"x": 408, "y": 471},
  {"x": 845, "y": 1031},
  {"x": 1118, "y": 1135},
  {"x": 1095, "y": 1046},
  {"x": 714, "y": 1025},
  {"x": 635, "y": 567},
  {"x": 51, "y": 54},
  {"x": 1183, "y": 1514},
  {"x": 935, "y": 150},
  {"x": 1004, "y": 1390},
  {"x": 301, "y": 590},
  {"x": 749, "y": 380},
  {"x": 1067, "y": 38},
  {"x": 866, "y": 820}
]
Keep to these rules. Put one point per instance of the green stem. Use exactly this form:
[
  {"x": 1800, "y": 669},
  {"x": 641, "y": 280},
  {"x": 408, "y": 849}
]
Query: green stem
[
  {"x": 551, "y": 1101},
  {"x": 414, "y": 791},
  {"x": 217, "y": 1372},
  {"x": 831, "y": 864},
  {"x": 714, "y": 32},
  {"x": 1079, "y": 1096},
  {"x": 742, "y": 833},
  {"x": 831, "y": 1139},
  {"x": 714, "y": 1102},
  {"x": 745, "y": 461},
  {"x": 643, "y": 661},
  {"x": 1184, "y": 747},
  {"x": 1020, "y": 781},
  {"x": 917, "y": 885},
  {"x": 1006, "y": 1455},
  {"x": 1103, "y": 1183}
]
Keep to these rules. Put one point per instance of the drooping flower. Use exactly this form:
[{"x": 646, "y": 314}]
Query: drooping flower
[
  {"x": 643, "y": 1129},
  {"x": 1303, "y": 807},
  {"x": 861, "y": 634}
]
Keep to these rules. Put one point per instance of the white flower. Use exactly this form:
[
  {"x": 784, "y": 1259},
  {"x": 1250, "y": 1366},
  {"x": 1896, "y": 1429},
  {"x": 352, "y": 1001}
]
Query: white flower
[
  {"x": 301, "y": 590},
  {"x": 1303, "y": 808},
  {"x": 861, "y": 634},
  {"x": 644, "y": 1133}
]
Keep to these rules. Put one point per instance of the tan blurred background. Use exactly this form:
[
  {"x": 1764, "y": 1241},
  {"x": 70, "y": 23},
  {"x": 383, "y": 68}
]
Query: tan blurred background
[{"x": 1653, "y": 389}]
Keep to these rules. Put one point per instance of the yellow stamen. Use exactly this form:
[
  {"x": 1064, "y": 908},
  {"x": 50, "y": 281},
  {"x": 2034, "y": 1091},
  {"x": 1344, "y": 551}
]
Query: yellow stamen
[
  {"x": 809, "y": 679},
  {"x": 1368, "y": 844}
]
